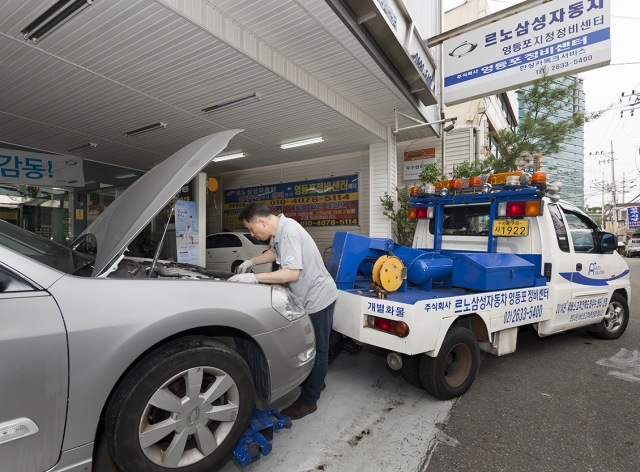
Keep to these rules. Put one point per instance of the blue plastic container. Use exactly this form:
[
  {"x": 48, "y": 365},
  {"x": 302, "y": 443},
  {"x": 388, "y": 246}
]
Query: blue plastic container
[{"x": 493, "y": 271}]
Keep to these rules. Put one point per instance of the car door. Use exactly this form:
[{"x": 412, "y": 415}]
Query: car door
[
  {"x": 591, "y": 269},
  {"x": 212, "y": 243},
  {"x": 229, "y": 250},
  {"x": 34, "y": 375}
]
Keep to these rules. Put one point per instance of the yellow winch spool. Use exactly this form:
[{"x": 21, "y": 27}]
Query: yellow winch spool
[{"x": 387, "y": 273}]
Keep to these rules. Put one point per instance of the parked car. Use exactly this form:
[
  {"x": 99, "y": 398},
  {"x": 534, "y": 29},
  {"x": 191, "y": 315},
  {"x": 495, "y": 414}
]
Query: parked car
[
  {"x": 226, "y": 251},
  {"x": 163, "y": 366},
  {"x": 633, "y": 247}
]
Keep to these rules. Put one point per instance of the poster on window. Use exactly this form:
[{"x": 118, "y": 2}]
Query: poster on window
[
  {"x": 415, "y": 160},
  {"x": 187, "y": 232},
  {"x": 331, "y": 202}
]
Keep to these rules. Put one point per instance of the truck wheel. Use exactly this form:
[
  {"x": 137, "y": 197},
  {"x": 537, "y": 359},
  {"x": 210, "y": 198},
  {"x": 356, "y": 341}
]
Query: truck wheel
[
  {"x": 410, "y": 370},
  {"x": 615, "y": 319},
  {"x": 452, "y": 372},
  {"x": 184, "y": 407}
]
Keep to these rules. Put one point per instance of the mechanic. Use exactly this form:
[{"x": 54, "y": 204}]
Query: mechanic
[{"x": 302, "y": 270}]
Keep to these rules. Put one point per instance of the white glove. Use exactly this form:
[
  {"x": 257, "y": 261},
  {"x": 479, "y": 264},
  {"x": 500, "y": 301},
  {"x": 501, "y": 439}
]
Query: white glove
[
  {"x": 244, "y": 278},
  {"x": 245, "y": 266}
]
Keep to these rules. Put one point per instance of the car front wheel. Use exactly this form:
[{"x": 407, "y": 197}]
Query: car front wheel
[{"x": 185, "y": 406}]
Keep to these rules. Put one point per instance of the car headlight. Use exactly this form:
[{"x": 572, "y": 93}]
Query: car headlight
[{"x": 286, "y": 304}]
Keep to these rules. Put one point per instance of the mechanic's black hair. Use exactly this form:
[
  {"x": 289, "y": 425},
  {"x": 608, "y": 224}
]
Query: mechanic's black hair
[{"x": 254, "y": 211}]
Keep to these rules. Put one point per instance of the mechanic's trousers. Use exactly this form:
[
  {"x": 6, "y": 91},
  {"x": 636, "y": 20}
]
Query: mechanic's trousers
[{"x": 312, "y": 386}]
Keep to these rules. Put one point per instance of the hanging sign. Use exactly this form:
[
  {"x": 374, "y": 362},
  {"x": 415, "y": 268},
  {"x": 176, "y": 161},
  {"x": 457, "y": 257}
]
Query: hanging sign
[
  {"x": 562, "y": 36},
  {"x": 187, "y": 232},
  {"x": 415, "y": 160},
  {"x": 320, "y": 202},
  {"x": 35, "y": 168},
  {"x": 633, "y": 217}
]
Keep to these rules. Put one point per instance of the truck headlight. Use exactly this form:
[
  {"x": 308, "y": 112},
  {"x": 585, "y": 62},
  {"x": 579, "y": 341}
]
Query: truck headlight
[{"x": 286, "y": 304}]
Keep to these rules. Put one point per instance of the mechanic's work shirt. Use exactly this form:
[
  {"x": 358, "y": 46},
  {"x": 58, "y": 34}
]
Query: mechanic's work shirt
[{"x": 296, "y": 249}]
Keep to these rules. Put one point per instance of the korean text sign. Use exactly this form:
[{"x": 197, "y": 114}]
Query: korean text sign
[
  {"x": 633, "y": 214},
  {"x": 562, "y": 36},
  {"x": 35, "y": 168},
  {"x": 330, "y": 201}
]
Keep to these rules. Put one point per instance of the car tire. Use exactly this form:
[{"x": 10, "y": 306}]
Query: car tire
[
  {"x": 184, "y": 407},
  {"x": 615, "y": 320},
  {"x": 410, "y": 370},
  {"x": 453, "y": 370}
]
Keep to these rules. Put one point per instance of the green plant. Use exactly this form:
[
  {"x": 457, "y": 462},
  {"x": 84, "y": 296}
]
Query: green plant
[
  {"x": 431, "y": 173},
  {"x": 404, "y": 227},
  {"x": 468, "y": 169},
  {"x": 144, "y": 244}
]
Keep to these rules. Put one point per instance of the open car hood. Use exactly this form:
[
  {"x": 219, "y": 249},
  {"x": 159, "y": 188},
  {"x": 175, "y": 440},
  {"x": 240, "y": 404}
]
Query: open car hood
[{"x": 129, "y": 214}]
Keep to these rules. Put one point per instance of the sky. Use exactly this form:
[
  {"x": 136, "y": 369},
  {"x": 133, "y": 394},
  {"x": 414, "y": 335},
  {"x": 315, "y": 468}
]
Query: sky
[{"x": 603, "y": 87}]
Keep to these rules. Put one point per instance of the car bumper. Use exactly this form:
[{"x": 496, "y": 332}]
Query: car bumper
[{"x": 282, "y": 348}]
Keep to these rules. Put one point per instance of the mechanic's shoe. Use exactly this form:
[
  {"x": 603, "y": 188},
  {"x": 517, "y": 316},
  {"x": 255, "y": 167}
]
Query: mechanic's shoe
[{"x": 298, "y": 410}]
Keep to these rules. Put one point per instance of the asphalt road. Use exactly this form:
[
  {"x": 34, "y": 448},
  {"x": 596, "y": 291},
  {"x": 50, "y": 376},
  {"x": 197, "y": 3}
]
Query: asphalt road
[{"x": 569, "y": 402}]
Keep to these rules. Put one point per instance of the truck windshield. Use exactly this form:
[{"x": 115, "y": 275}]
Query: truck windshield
[
  {"x": 47, "y": 252},
  {"x": 468, "y": 220}
]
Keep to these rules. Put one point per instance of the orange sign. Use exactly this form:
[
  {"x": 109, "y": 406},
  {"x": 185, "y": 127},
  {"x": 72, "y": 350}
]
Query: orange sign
[{"x": 420, "y": 154}]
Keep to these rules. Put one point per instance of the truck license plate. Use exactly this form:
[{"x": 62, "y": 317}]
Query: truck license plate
[{"x": 510, "y": 228}]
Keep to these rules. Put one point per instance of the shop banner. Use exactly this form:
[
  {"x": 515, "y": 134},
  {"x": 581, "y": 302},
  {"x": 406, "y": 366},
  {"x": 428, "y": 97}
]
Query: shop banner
[
  {"x": 563, "y": 36},
  {"x": 187, "y": 232},
  {"x": 633, "y": 217},
  {"x": 44, "y": 170},
  {"x": 415, "y": 160},
  {"x": 321, "y": 202}
]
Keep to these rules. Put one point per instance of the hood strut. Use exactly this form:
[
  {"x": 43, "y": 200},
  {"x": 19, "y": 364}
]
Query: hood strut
[{"x": 159, "y": 248}]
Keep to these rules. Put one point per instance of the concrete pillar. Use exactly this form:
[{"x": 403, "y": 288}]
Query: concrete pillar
[
  {"x": 200, "y": 197},
  {"x": 383, "y": 179}
]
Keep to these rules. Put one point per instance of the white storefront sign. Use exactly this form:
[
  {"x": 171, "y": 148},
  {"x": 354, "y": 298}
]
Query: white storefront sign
[
  {"x": 563, "y": 36},
  {"x": 44, "y": 170}
]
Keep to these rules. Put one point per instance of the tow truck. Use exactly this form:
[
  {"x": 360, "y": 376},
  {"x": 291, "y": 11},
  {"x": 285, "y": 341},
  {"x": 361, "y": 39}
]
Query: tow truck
[{"x": 491, "y": 254}]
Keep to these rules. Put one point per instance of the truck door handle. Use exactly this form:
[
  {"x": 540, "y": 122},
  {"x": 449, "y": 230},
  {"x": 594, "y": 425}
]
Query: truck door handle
[{"x": 578, "y": 267}]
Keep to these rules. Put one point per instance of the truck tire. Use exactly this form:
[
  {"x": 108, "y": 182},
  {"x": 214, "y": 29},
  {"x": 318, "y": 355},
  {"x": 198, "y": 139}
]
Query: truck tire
[
  {"x": 615, "y": 319},
  {"x": 410, "y": 370},
  {"x": 453, "y": 370}
]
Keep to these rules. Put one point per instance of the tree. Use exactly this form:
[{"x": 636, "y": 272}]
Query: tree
[
  {"x": 399, "y": 214},
  {"x": 541, "y": 130}
]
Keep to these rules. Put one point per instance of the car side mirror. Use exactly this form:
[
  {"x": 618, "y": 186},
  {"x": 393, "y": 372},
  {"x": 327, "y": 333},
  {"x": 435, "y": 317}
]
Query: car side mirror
[{"x": 608, "y": 242}]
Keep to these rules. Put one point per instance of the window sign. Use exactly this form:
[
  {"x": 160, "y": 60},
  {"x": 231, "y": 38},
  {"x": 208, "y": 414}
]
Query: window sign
[
  {"x": 187, "y": 243},
  {"x": 563, "y": 36},
  {"x": 39, "y": 169},
  {"x": 415, "y": 160},
  {"x": 633, "y": 217},
  {"x": 331, "y": 201}
]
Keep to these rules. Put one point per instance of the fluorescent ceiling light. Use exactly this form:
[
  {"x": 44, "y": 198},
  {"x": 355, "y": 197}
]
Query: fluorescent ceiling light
[
  {"x": 229, "y": 156},
  {"x": 52, "y": 19},
  {"x": 83, "y": 146},
  {"x": 233, "y": 101},
  {"x": 126, "y": 176},
  {"x": 145, "y": 129},
  {"x": 302, "y": 143}
]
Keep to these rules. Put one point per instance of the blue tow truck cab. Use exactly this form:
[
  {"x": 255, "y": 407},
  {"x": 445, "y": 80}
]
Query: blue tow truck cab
[{"x": 486, "y": 259}]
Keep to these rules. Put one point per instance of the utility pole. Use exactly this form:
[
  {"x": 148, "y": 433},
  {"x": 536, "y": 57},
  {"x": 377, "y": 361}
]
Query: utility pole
[{"x": 613, "y": 192}]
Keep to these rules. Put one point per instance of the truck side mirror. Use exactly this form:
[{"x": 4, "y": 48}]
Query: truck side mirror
[{"x": 608, "y": 242}]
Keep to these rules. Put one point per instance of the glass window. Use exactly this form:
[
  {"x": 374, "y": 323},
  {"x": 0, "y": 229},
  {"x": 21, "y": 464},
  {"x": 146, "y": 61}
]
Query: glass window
[
  {"x": 561, "y": 229},
  {"x": 468, "y": 220},
  {"x": 230, "y": 240},
  {"x": 214, "y": 241},
  {"x": 43, "y": 250},
  {"x": 9, "y": 282},
  {"x": 582, "y": 231}
]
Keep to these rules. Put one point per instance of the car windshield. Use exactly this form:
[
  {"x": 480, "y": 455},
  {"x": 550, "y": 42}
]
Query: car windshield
[
  {"x": 254, "y": 240},
  {"x": 47, "y": 252}
]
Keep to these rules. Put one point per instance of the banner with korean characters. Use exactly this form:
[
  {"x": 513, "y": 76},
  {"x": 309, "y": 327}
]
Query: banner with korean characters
[
  {"x": 633, "y": 217},
  {"x": 330, "y": 202},
  {"x": 187, "y": 243},
  {"x": 414, "y": 160},
  {"x": 44, "y": 170},
  {"x": 562, "y": 36}
]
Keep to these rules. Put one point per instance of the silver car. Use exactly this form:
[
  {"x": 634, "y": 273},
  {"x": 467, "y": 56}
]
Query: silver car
[{"x": 166, "y": 364}]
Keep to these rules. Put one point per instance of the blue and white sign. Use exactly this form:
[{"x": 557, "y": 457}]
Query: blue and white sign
[
  {"x": 35, "y": 168},
  {"x": 187, "y": 243},
  {"x": 563, "y": 36},
  {"x": 633, "y": 217}
]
